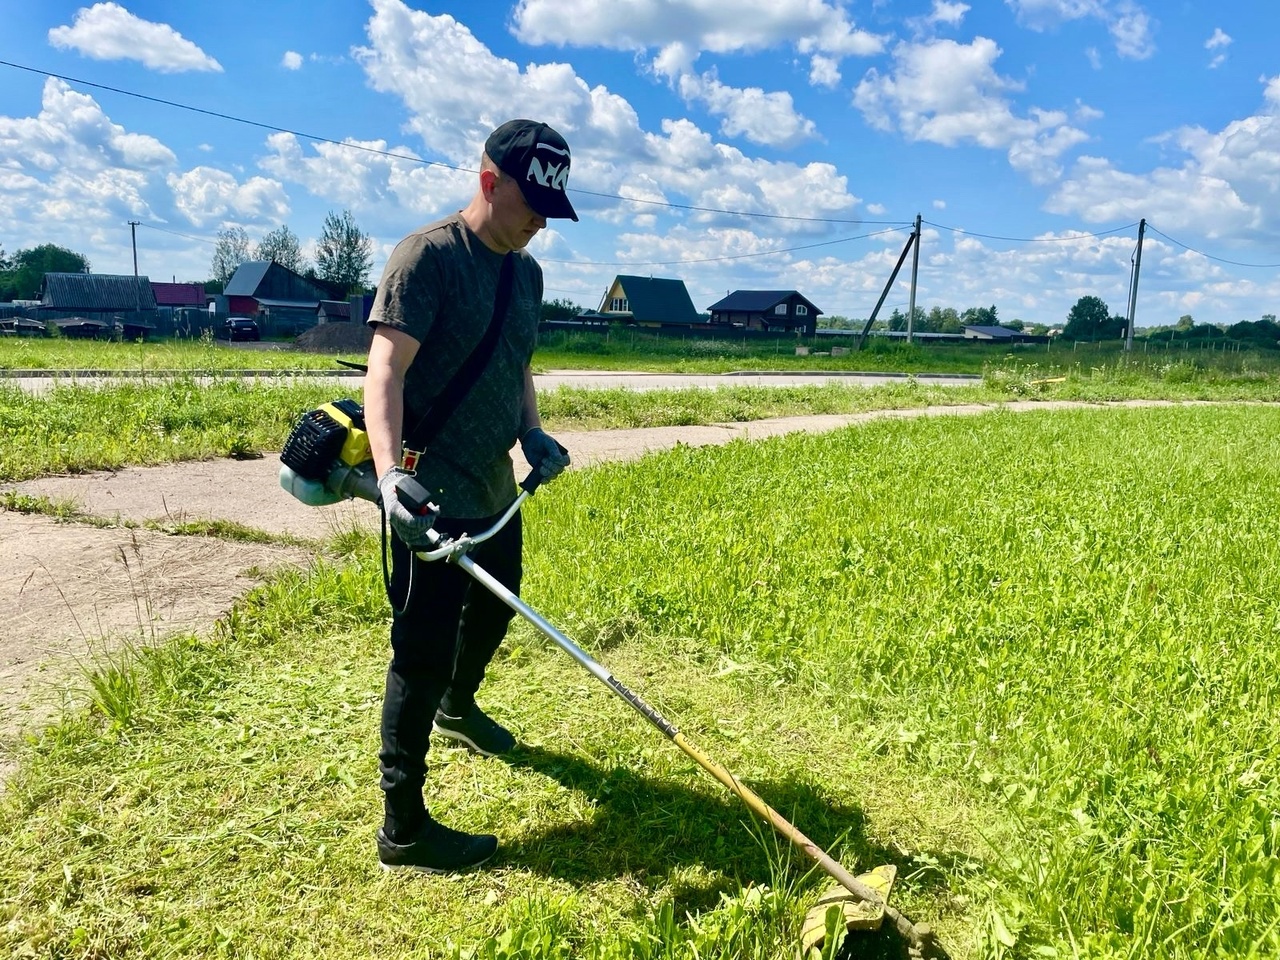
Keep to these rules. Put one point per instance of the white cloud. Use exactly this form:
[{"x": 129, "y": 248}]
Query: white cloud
[
  {"x": 1044, "y": 14},
  {"x": 950, "y": 93},
  {"x": 446, "y": 78},
  {"x": 1226, "y": 187},
  {"x": 107, "y": 31},
  {"x": 824, "y": 71},
  {"x": 939, "y": 204},
  {"x": 72, "y": 133},
  {"x": 1129, "y": 24},
  {"x": 1219, "y": 39},
  {"x": 73, "y": 177},
  {"x": 944, "y": 13},
  {"x": 681, "y": 29},
  {"x": 291, "y": 60},
  {"x": 949, "y": 13},
  {"x": 1094, "y": 57},
  {"x": 207, "y": 196},
  {"x": 375, "y": 186},
  {"x": 704, "y": 24},
  {"x": 761, "y": 116},
  {"x": 877, "y": 209},
  {"x": 768, "y": 118},
  {"x": 1085, "y": 113},
  {"x": 1131, "y": 30}
]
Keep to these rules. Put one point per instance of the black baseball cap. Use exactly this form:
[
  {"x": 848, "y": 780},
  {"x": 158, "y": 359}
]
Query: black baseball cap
[{"x": 537, "y": 158}]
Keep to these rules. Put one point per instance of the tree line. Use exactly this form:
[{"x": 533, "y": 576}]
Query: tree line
[
  {"x": 344, "y": 254},
  {"x": 22, "y": 274},
  {"x": 1089, "y": 320},
  {"x": 343, "y": 259}
]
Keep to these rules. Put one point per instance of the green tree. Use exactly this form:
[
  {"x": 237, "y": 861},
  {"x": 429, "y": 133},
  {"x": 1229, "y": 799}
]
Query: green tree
[
  {"x": 559, "y": 310},
  {"x": 1089, "y": 319},
  {"x": 1185, "y": 323},
  {"x": 344, "y": 255},
  {"x": 22, "y": 274},
  {"x": 282, "y": 246},
  {"x": 835, "y": 321},
  {"x": 944, "y": 320},
  {"x": 980, "y": 317},
  {"x": 231, "y": 250}
]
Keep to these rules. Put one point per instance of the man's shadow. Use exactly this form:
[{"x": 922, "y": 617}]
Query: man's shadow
[{"x": 650, "y": 829}]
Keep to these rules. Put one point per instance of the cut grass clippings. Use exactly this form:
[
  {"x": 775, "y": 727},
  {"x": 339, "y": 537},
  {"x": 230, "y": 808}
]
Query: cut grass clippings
[{"x": 1030, "y": 659}]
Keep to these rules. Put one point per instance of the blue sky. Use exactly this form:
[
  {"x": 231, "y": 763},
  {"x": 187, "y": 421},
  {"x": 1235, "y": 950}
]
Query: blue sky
[{"x": 758, "y": 144}]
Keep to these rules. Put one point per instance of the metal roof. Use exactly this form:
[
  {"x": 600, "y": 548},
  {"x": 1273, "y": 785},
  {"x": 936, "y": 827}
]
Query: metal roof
[
  {"x": 299, "y": 304},
  {"x": 999, "y": 333},
  {"x": 96, "y": 291},
  {"x": 247, "y": 278},
  {"x": 658, "y": 300}
]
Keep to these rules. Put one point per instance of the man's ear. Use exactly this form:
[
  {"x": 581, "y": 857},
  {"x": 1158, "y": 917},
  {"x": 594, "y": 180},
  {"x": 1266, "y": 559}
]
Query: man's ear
[{"x": 488, "y": 181}]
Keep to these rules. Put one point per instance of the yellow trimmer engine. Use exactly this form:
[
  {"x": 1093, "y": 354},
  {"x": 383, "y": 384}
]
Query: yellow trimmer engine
[{"x": 327, "y": 456}]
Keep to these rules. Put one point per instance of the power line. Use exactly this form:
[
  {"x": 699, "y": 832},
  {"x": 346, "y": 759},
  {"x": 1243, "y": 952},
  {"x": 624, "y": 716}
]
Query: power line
[
  {"x": 152, "y": 226},
  {"x": 635, "y": 263},
  {"x": 413, "y": 159},
  {"x": 738, "y": 256},
  {"x": 990, "y": 236},
  {"x": 1209, "y": 256}
]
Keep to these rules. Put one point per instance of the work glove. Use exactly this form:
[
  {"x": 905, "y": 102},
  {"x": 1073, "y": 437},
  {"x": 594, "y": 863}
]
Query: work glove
[
  {"x": 544, "y": 454},
  {"x": 410, "y": 527}
]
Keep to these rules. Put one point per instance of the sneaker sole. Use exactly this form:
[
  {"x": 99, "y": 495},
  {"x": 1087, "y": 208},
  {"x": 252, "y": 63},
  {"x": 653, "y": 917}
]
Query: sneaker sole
[
  {"x": 434, "y": 871},
  {"x": 466, "y": 741}
]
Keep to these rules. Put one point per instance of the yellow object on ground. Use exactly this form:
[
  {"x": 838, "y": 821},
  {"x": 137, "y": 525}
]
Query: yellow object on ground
[{"x": 848, "y": 909}]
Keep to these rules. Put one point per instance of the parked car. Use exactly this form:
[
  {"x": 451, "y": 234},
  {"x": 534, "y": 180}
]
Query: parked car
[{"x": 239, "y": 328}]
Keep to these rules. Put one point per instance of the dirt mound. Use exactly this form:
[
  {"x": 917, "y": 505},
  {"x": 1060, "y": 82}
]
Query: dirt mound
[{"x": 340, "y": 337}]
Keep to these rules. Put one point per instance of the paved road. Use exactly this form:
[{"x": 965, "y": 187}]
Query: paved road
[{"x": 592, "y": 379}]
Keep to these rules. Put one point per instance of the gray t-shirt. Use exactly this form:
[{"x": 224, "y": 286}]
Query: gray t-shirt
[{"x": 439, "y": 287}]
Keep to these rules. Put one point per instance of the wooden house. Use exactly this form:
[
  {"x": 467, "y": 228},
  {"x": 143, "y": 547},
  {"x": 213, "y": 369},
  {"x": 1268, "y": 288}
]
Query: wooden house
[
  {"x": 650, "y": 302},
  {"x": 774, "y": 310}
]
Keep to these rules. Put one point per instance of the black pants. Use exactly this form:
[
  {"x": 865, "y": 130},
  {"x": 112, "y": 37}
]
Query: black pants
[{"x": 445, "y": 629}]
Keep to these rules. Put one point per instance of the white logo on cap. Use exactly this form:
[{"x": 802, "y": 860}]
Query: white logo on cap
[{"x": 552, "y": 175}]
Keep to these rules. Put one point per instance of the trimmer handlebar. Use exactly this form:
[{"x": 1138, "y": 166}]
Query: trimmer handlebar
[{"x": 445, "y": 548}]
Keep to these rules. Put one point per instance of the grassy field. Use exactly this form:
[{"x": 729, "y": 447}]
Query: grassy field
[
  {"x": 1028, "y": 658},
  {"x": 75, "y": 427},
  {"x": 625, "y": 349}
]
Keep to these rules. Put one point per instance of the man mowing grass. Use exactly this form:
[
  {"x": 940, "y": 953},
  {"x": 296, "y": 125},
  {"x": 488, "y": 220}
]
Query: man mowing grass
[{"x": 465, "y": 290}]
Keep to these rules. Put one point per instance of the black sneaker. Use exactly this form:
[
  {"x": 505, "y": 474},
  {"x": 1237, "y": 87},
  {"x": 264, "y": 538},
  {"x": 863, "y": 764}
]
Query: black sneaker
[
  {"x": 436, "y": 848},
  {"x": 476, "y": 731}
]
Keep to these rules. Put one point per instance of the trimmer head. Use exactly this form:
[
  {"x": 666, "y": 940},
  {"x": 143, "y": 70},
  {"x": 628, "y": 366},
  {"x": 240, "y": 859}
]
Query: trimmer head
[{"x": 847, "y": 909}]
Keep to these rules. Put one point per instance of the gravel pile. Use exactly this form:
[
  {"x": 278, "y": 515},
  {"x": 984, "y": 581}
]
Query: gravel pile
[{"x": 336, "y": 338}]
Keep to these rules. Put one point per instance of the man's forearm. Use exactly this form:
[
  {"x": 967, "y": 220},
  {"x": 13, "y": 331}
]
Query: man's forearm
[
  {"x": 529, "y": 404},
  {"x": 384, "y": 418}
]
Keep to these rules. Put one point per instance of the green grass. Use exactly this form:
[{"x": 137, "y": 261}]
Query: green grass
[
  {"x": 75, "y": 428},
  {"x": 632, "y": 349},
  {"x": 158, "y": 356},
  {"x": 629, "y": 349},
  {"x": 1029, "y": 658}
]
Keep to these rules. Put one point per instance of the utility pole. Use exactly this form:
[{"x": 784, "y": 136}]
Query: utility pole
[
  {"x": 133, "y": 231},
  {"x": 915, "y": 270},
  {"x": 1133, "y": 287},
  {"x": 862, "y": 340}
]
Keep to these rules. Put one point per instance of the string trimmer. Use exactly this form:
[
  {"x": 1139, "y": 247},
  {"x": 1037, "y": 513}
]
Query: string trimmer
[{"x": 330, "y": 450}]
